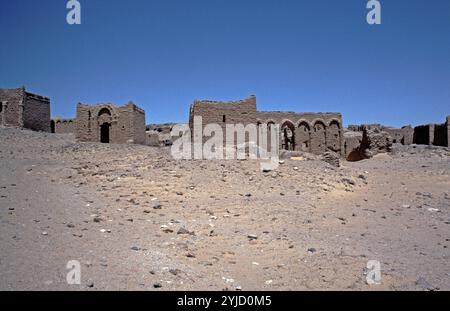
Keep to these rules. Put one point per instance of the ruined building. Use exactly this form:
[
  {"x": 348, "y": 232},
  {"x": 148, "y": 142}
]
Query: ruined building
[
  {"x": 20, "y": 108},
  {"x": 309, "y": 132},
  {"x": 107, "y": 123}
]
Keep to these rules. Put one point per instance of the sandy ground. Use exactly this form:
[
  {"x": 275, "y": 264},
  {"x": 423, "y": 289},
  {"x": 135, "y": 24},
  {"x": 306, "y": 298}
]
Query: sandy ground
[{"x": 118, "y": 210}]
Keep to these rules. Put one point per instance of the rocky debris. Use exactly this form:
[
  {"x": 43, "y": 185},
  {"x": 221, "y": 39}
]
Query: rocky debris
[
  {"x": 90, "y": 284},
  {"x": 184, "y": 231},
  {"x": 331, "y": 158},
  {"x": 375, "y": 141},
  {"x": 157, "y": 285},
  {"x": 365, "y": 145}
]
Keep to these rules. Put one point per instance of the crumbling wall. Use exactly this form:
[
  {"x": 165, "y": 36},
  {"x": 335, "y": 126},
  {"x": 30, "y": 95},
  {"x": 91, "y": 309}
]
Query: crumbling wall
[
  {"x": 404, "y": 135},
  {"x": 10, "y": 100},
  {"x": 159, "y": 135},
  {"x": 352, "y": 145},
  {"x": 19, "y": 108},
  {"x": 366, "y": 144},
  {"x": 36, "y": 112}
]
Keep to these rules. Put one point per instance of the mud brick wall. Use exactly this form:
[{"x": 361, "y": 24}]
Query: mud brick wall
[
  {"x": 36, "y": 114},
  {"x": 404, "y": 135},
  {"x": 440, "y": 135},
  {"x": 24, "y": 109},
  {"x": 10, "y": 113}
]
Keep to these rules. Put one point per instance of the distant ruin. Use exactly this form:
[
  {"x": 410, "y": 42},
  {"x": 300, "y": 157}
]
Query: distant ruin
[
  {"x": 315, "y": 133},
  {"x": 62, "y": 126},
  {"x": 107, "y": 123},
  {"x": 19, "y": 108},
  {"x": 308, "y": 132},
  {"x": 159, "y": 135}
]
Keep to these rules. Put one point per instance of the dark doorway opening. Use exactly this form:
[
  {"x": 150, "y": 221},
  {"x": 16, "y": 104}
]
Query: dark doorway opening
[
  {"x": 52, "y": 126},
  {"x": 104, "y": 133}
]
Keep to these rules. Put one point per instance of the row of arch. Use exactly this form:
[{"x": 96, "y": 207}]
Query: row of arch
[{"x": 316, "y": 137}]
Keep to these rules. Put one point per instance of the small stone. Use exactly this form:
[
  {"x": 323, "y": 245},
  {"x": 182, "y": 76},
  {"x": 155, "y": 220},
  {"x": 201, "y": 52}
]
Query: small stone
[
  {"x": 312, "y": 250},
  {"x": 190, "y": 255},
  {"x": 183, "y": 231},
  {"x": 44, "y": 233},
  {"x": 252, "y": 236},
  {"x": 135, "y": 248},
  {"x": 174, "y": 271},
  {"x": 90, "y": 284},
  {"x": 157, "y": 285}
]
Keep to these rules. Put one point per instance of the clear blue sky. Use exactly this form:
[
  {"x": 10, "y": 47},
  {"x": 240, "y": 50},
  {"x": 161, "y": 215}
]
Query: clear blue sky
[{"x": 299, "y": 55}]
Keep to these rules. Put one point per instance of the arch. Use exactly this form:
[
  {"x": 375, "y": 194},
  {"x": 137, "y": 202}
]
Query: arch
[
  {"x": 334, "y": 120},
  {"x": 334, "y": 136},
  {"x": 318, "y": 137},
  {"x": 103, "y": 111},
  {"x": 303, "y": 136},
  {"x": 288, "y": 135}
]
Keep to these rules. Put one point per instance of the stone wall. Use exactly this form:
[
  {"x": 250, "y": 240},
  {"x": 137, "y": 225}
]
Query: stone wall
[
  {"x": 23, "y": 109},
  {"x": 309, "y": 132},
  {"x": 110, "y": 124}
]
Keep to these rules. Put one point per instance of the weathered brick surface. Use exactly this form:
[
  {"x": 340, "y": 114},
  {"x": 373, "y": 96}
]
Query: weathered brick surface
[
  {"x": 24, "y": 109},
  {"x": 404, "y": 135},
  {"x": 63, "y": 126},
  {"x": 126, "y": 123}
]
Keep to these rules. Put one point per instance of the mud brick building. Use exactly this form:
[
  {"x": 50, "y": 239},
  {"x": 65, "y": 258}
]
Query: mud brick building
[
  {"x": 19, "y": 108},
  {"x": 433, "y": 134},
  {"x": 62, "y": 126},
  {"x": 309, "y": 132},
  {"x": 107, "y": 123}
]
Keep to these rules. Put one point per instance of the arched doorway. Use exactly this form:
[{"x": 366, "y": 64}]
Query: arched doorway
[
  {"x": 334, "y": 136},
  {"x": 318, "y": 138},
  {"x": 52, "y": 126},
  {"x": 104, "y": 121},
  {"x": 104, "y": 133},
  {"x": 288, "y": 136},
  {"x": 303, "y": 137}
]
